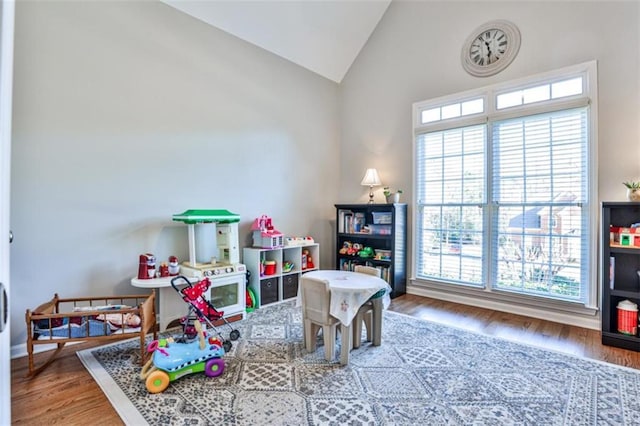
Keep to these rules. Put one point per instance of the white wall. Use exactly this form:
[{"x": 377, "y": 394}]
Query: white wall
[
  {"x": 414, "y": 55},
  {"x": 126, "y": 113}
]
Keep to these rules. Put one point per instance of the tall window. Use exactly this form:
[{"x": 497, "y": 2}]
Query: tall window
[{"x": 504, "y": 188}]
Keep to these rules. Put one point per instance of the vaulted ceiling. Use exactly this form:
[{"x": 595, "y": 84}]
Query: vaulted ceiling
[{"x": 324, "y": 36}]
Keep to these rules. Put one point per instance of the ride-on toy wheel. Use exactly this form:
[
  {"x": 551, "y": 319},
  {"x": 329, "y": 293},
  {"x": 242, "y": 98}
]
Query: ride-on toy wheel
[
  {"x": 214, "y": 367},
  {"x": 157, "y": 381},
  {"x": 234, "y": 335}
]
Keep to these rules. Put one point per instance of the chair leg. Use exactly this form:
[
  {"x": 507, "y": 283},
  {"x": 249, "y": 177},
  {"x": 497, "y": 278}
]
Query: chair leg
[
  {"x": 377, "y": 321},
  {"x": 345, "y": 333},
  {"x": 368, "y": 323},
  {"x": 356, "y": 324},
  {"x": 310, "y": 335},
  {"x": 329, "y": 336}
]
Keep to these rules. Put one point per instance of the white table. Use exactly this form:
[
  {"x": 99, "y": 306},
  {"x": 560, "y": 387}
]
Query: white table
[
  {"x": 170, "y": 304},
  {"x": 350, "y": 290}
]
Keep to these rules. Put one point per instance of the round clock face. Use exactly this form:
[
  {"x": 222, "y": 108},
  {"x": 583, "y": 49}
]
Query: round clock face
[{"x": 490, "y": 48}]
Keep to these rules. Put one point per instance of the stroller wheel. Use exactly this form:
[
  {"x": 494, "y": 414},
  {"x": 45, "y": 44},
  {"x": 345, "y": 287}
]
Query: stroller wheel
[
  {"x": 227, "y": 345},
  {"x": 234, "y": 335}
]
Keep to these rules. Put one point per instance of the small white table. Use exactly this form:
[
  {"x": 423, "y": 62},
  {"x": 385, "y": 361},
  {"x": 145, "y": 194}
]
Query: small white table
[
  {"x": 350, "y": 290},
  {"x": 170, "y": 304}
]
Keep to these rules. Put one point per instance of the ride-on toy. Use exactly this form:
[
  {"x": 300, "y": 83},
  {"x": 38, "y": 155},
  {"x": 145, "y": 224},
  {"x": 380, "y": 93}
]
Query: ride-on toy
[{"x": 172, "y": 360}]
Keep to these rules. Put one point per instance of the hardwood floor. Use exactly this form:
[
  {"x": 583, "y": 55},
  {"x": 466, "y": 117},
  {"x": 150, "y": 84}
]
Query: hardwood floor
[{"x": 65, "y": 393}]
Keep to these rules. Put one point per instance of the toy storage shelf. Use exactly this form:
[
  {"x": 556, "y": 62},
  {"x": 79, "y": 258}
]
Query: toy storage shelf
[
  {"x": 281, "y": 285},
  {"x": 620, "y": 266},
  {"x": 383, "y": 227}
]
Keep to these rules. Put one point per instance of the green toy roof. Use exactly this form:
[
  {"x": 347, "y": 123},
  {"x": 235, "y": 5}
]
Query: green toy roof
[{"x": 206, "y": 216}]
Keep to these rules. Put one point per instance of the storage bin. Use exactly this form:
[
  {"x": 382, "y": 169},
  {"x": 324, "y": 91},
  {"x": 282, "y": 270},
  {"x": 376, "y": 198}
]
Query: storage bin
[
  {"x": 289, "y": 286},
  {"x": 269, "y": 267},
  {"x": 383, "y": 254},
  {"x": 268, "y": 291},
  {"x": 380, "y": 229},
  {"x": 627, "y": 318},
  {"x": 381, "y": 218}
]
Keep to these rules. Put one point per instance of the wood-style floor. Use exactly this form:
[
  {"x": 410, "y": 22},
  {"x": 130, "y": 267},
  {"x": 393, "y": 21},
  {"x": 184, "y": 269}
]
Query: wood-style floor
[{"x": 65, "y": 393}]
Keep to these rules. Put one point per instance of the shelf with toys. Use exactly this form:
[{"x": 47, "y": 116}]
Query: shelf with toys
[
  {"x": 373, "y": 235},
  {"x": 620, "y": 274},
  {"x": 276, "y": 262}
]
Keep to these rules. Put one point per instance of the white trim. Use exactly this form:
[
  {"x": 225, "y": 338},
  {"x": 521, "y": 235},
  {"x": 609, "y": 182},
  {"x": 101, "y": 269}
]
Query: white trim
[
  {"x": 588, "y": 72},
  {"x": 585, "y": 321},
  {"x": 18, "y": 351},
  {"x": 7, "y": 30}
]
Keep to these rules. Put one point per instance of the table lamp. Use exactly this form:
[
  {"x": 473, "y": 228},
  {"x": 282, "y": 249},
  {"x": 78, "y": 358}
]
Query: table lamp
[{"x": 371, "y": 179}]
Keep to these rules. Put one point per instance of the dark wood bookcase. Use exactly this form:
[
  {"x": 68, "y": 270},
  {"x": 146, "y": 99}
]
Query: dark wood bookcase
[
  {"x": 383, "y": 228},
  {"x": 620, "y": 266}
]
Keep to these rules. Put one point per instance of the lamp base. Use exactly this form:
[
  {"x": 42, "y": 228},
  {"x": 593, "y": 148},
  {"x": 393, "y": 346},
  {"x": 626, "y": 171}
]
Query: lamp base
[{"x": 371, "y": 195}]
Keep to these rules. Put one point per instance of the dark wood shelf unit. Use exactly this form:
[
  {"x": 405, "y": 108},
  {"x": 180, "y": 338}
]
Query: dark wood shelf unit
[
  {"x": 395, "y": 268},
  {"x": 620, "y": 266}
]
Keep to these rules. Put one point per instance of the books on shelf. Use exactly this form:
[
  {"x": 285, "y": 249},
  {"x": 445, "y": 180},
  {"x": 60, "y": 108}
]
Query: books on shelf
[
  {"x": 345, "y": 220},
  {"x": 612, "y": 272},
  {"x": 350, "y": 222}
]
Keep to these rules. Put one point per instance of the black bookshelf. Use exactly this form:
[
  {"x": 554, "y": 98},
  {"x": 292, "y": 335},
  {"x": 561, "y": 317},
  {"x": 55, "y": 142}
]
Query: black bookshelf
[{"x": 382, "y": 227}]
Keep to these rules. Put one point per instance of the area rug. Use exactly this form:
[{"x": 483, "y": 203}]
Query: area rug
[{"x": 423, "y": 374}]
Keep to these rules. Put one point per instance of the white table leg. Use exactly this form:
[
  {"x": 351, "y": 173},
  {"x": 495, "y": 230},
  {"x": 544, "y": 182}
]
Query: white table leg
[{"x": 171, "y": 306}]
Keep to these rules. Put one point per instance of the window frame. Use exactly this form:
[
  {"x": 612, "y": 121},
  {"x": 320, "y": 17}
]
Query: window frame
[{"x": 588, "y": 98}]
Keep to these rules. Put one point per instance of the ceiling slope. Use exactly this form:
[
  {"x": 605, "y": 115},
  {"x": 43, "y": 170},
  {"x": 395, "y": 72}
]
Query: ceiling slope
[{"x": 324, "y": 36}]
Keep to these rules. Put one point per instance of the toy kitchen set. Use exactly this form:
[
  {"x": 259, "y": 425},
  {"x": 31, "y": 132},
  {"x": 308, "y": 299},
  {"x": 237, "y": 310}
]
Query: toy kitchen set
[{"x": 214, "y": 253}]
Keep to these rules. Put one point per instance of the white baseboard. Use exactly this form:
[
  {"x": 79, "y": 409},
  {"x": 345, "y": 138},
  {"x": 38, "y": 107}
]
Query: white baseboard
[
  {"x": 585, "y": 321},
  {"x": 20, "y": 350}
]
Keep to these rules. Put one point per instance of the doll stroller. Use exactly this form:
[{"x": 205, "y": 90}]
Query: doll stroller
[{"x": 202, "y": 310}]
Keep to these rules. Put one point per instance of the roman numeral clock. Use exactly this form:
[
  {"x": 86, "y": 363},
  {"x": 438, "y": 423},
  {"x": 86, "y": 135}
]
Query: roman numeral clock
[{"x": 490, "y": 48}]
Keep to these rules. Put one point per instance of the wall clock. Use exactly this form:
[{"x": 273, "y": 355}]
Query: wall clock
[{"x": 490, "y": 48}]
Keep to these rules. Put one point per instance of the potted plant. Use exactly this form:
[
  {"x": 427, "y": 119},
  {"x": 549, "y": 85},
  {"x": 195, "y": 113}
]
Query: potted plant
[
  {"x": 394, "y": 197},
  {"x": 633, "y": 190}
]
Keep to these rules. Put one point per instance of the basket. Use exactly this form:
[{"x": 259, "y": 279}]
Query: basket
[
  {"x": 381, "y": 218},
  {"x": 380, "y": 229}
]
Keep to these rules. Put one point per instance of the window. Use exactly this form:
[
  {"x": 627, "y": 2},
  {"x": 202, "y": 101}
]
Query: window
[{"x": 504, "y": 193}]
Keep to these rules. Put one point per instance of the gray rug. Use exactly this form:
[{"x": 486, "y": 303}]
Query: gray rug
[{"x": 424, "y": 373}]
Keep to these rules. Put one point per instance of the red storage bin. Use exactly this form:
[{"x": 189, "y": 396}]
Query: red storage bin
[{"x": 628, "y": 318}]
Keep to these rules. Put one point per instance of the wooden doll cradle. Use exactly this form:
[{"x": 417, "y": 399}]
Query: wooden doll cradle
[{"x": 60, "y": 321}]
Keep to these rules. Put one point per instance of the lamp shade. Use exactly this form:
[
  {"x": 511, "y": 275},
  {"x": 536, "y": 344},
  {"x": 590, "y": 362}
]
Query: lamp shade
[{"x": 371, "y": 178}]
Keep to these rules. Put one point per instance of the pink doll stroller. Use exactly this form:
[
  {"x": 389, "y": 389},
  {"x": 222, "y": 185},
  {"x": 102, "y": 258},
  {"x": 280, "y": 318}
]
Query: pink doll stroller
[{"x": 202, "y": 310}]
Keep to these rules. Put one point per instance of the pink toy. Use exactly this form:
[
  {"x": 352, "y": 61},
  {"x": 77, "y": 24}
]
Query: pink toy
[
  {"x": 195, "y": 297},
  {"x": 265, "y": 235},
  {"x": 200, "y": 309}
]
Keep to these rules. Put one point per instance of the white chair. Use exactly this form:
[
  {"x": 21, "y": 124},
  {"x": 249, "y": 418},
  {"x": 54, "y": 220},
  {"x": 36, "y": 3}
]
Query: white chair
[
  {"x": 369, "y": 311},
  {"x": 316, "y": 301}
]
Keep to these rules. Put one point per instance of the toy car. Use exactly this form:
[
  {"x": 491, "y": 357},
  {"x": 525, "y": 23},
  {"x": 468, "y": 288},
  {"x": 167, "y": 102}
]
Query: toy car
[{"x": 171, "y": 360}]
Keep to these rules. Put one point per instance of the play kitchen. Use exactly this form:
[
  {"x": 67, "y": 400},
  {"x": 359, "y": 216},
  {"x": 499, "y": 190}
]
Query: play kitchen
[{"x": 214, "y": 253}]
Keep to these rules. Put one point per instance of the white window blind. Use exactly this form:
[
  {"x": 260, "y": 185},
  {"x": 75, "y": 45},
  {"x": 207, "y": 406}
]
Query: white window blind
[
  {"x": 451, "y": 169},
  {"x": 540, "y": 193}
]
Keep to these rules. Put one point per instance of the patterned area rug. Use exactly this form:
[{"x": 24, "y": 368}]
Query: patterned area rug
[{"x": 424, "y": 373}]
